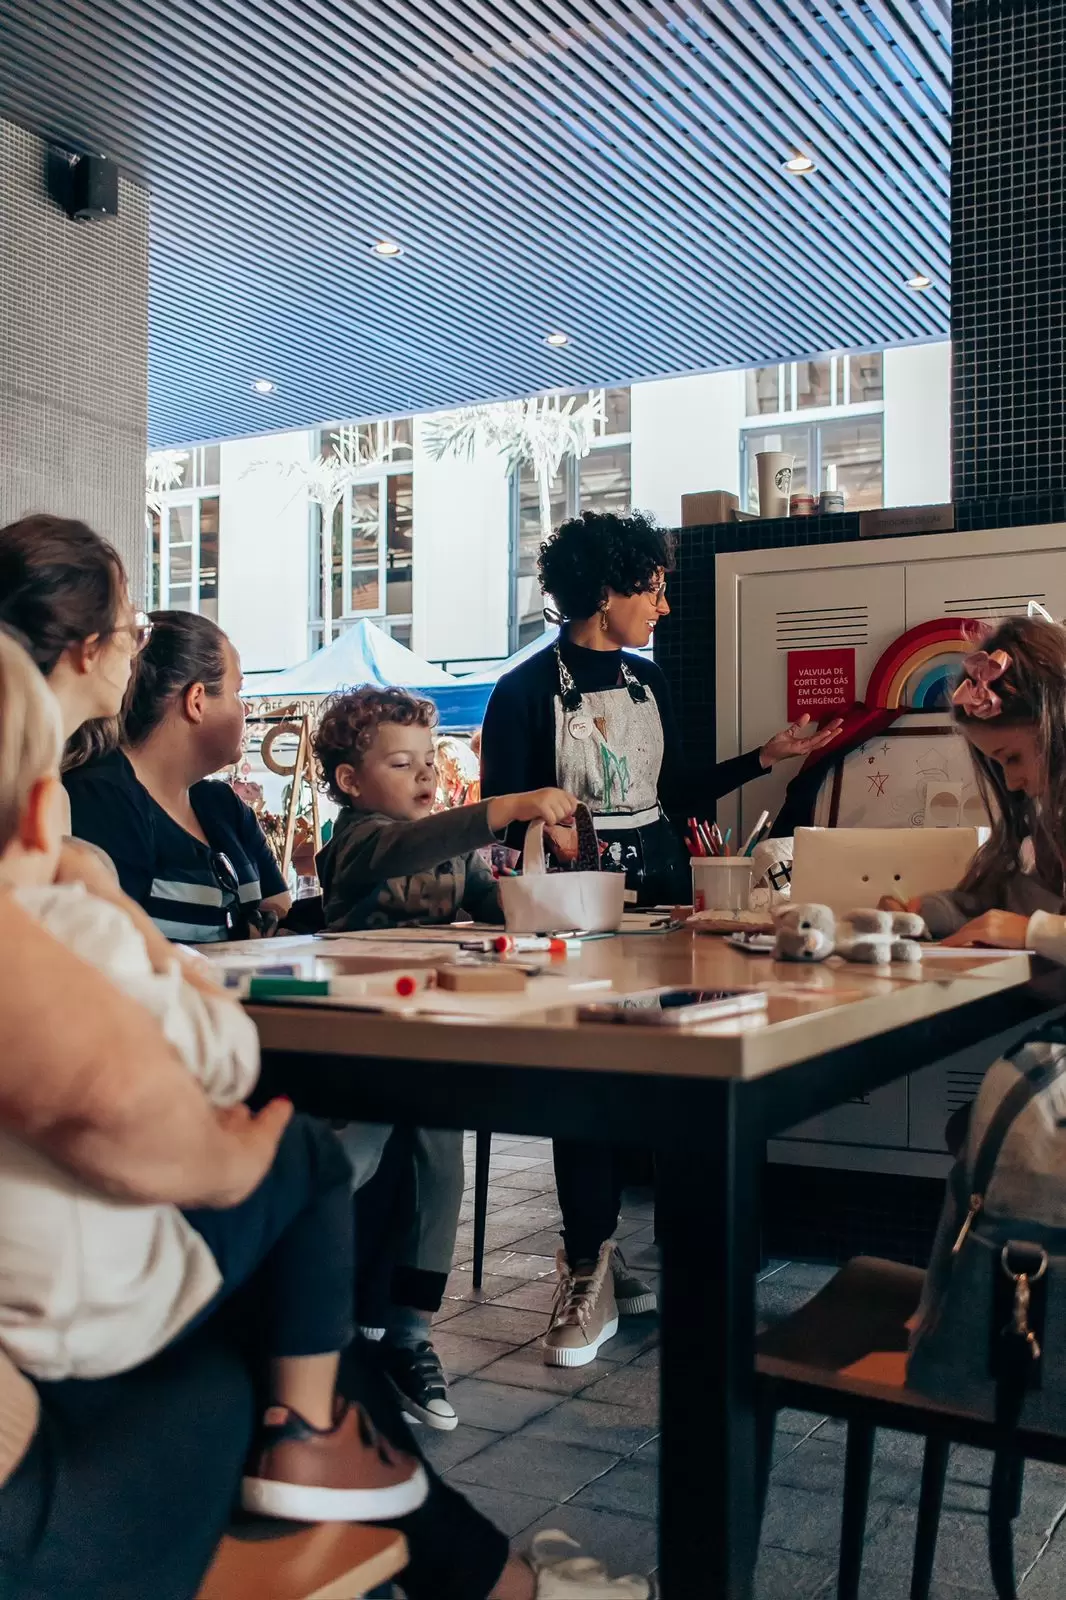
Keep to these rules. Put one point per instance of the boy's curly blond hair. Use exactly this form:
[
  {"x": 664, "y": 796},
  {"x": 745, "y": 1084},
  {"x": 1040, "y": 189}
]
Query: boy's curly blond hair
[{"x": 349, "y": 722}]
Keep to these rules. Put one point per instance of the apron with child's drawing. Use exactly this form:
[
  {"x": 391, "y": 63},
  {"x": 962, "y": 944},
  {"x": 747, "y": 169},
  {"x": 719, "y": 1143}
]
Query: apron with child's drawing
[{"x": 609, "y": 752}]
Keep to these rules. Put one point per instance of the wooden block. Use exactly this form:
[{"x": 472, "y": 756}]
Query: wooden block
[
  {"x": 481, "y": 980},
  {"x": 713, "y": 505},
  {"x": 325, "y": 1561}
]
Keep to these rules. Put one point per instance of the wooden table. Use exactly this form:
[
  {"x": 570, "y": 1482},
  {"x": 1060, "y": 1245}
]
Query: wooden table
[{"x": 707, "y": 1101}]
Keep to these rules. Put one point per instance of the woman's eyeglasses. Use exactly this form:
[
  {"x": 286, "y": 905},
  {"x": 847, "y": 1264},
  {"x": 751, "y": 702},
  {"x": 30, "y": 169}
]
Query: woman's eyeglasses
[{"x": 139, "y": 629}]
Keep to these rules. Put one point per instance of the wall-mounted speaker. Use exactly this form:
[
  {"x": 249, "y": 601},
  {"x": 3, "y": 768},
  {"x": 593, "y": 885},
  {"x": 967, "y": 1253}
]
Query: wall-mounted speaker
[{"x": 86, "y": 187}]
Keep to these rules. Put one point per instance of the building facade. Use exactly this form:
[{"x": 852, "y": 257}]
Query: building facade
[{"x": 441, "y": 553}]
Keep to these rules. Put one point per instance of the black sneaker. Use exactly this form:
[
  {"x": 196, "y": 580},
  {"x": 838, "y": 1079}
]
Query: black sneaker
[{"x": 416, "y": 1375}]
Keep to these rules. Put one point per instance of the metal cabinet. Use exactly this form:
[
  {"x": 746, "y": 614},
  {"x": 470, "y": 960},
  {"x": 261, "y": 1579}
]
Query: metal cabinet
[
  {"x": 863, "y": 597},
  {"x": 855, "y": 607}
]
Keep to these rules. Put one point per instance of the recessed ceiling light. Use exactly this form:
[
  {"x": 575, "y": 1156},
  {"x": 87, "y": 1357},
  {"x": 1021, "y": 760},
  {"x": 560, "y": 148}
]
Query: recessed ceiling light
[
  {"x": 388, "y": 249},
  {"x": 557, "y": 340},
  {"x": 263, "y": 386},
  {"x": 799, "y": 166},
  {"x": 919, "y": 282}
]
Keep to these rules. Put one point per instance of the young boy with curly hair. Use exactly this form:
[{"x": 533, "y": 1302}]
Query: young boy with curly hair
[{"x": 391, "y": 862}]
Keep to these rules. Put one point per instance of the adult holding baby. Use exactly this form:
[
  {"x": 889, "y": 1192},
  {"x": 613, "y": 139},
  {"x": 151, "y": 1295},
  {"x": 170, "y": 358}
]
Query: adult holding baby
[{"x": 597, "y": 721}]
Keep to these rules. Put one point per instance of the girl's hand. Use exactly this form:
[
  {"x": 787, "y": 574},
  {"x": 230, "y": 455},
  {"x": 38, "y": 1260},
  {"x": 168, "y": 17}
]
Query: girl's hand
[
  {"x": 799, "y": 739},
  {"x": 996, "y": 930},
  {"x": 889, "y": 902}
]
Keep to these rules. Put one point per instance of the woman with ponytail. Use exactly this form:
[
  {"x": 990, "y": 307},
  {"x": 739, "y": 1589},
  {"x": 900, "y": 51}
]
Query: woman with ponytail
[{"x": 187, "y": 850}]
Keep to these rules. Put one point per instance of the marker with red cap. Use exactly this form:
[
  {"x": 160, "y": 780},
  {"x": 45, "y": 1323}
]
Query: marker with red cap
[
  {"x": 406, "y": 986},
  {"x": 506, "y": 944}
]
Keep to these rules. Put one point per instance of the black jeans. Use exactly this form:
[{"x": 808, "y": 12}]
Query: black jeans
[
  {"x": 130, "y": 1481},
  {"x": 292, "y": 1239},
  {"x": 588, "y": 1181}
]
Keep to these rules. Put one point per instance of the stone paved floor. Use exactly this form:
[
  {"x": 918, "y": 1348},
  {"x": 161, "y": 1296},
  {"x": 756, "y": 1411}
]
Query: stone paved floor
[{"x": 541, "y": 1447}]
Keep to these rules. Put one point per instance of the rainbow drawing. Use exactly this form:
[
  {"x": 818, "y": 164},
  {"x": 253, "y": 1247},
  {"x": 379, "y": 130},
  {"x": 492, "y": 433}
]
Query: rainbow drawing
[{"x": 919, "y": 671}]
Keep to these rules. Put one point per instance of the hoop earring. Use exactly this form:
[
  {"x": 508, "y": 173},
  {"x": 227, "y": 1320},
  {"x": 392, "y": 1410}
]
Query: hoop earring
[{"x": 604, "y": 624}]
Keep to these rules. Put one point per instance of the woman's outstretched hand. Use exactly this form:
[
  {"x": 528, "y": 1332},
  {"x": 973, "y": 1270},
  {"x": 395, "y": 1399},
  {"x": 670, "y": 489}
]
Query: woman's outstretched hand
[{"x": 800, "y": 738}]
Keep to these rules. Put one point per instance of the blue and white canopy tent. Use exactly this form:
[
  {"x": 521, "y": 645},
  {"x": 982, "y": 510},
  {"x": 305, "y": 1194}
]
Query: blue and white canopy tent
[{"x": 365, "y": 654}]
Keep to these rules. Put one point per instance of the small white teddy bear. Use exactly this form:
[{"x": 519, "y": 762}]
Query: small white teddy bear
[
  {"x": 804, "y": 933},
  {"x": 873, "y": 938}
]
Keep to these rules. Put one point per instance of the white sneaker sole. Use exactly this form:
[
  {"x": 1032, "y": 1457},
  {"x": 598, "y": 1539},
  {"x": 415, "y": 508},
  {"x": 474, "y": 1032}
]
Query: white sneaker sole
[
  {"x": 578, "y": 1356},
  {"x": 412, "y": 1412},
  {"x": 637, "y": 1305},
  {"x": 297, "y": 1502}
]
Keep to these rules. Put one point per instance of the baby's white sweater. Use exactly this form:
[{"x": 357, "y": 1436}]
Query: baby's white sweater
[{"x": 91, "y": 1286}]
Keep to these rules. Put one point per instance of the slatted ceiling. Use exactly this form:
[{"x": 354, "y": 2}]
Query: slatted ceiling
[{"x": 607, "y": 167}]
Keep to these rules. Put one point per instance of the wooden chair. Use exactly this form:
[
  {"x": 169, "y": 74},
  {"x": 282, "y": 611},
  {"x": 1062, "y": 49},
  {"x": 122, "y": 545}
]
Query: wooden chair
[
  {"x": 263, "y": 1560},
  {"x": 843, "y": 1355}
]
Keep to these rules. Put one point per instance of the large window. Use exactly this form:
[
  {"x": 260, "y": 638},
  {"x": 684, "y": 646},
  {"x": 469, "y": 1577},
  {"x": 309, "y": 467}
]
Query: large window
[
  {"x": 373, "y": 532},
  {"x": 184, "y": 530},
  {"x": 600, "y": 481},
  {"x": 825, "y": 412},
  {"x": 855, "y": 446},
  {"x": 821, "y": 383}
]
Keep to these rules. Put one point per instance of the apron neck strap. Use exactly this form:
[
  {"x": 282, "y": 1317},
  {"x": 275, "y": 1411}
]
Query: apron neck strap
[{"x": 570, "y": 694}]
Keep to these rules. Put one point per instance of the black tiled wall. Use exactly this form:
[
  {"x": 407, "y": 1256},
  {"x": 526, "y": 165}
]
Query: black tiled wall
[{"x": 1007, "y": 245}]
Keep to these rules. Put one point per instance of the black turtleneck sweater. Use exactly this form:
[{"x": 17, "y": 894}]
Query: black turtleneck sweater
[{"x": 518, "y": 738}]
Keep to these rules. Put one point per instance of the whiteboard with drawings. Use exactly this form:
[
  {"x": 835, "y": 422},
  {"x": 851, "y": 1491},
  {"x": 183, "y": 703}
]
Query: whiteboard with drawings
[{"x": 917, "y": 774}]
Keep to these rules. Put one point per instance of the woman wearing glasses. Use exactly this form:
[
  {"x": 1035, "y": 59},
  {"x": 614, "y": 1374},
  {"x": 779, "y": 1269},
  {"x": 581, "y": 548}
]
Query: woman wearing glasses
[
  {"x": 587, "y": 718},
  {"x": 63, "y": 590},
  {"x": 189, "y": 851}
]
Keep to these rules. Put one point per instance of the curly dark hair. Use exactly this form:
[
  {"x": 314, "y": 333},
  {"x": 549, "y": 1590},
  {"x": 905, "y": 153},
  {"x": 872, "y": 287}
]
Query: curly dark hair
[
  {"x": 599, "y": 551},
  {"x": 349, "y": 721}
]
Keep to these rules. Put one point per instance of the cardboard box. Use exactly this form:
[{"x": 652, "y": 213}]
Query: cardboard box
[{"x": 712, "y": 505}]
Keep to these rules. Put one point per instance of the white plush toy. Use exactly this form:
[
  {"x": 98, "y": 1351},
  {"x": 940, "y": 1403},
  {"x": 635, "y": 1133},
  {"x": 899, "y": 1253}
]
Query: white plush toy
[
  {"x": 879, "y": 938},
  {"x": 873, "y": 938}
]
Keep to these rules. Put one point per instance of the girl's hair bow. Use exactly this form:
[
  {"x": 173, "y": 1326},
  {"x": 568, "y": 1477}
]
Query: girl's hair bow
[{"x": 975, "y": 696}]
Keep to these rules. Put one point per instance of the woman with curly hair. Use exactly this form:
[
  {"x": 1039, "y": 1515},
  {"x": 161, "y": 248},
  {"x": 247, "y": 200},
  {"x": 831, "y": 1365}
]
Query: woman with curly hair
[{"x": 598, "y": 722}]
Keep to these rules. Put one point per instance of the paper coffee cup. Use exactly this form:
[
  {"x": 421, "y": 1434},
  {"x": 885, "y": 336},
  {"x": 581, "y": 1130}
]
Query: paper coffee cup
[{"x": 775, "y": 482}]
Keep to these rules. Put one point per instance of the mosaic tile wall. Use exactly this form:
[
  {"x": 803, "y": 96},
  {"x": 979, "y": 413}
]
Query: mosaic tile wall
[
  {"x": 73, "y": 354},
  {"x": 1008, "y": 246}
]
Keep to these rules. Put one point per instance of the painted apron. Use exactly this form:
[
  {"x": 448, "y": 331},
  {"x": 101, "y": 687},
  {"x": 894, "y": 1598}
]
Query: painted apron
[{"x": 609, "y": 752}]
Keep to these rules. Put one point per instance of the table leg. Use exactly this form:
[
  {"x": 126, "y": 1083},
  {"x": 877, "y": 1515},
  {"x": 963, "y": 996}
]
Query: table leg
[{"x": 709, "y": 1231}]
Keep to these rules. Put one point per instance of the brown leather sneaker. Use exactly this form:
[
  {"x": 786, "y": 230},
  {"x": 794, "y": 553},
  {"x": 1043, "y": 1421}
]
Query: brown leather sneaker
[
  {"x": 584, "y": 1315},
  {"x": 347, "y": 1473}
]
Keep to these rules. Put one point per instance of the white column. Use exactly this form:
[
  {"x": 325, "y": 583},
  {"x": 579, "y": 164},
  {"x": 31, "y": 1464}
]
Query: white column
[
  {"x": 686, "y": 438},
  {"x": 918, "y": 425},
  {"x": 264, "y": 549},
  {"x": 462, "y": 555},
  {"x": 73, "y": 355}
]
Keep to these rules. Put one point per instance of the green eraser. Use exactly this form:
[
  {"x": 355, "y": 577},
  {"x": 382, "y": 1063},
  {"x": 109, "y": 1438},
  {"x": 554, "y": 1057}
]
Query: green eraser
[{"x": 286, "y": 988}]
